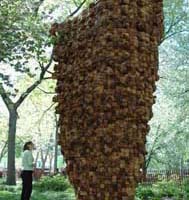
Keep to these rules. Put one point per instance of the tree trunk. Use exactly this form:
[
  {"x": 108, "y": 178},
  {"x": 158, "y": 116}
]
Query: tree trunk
[
  {"x": 56, "y": 146},
  {"x": 3, "y": 151},
  {"x": 55, "y": 158},
  {"x": 44, "y": 159},
  {"x": 144, "y": 171},
  {"x": 11, "y": 176},
  {"x": 50, "y": 162}
]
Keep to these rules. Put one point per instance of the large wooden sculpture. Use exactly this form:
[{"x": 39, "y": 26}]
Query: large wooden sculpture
[{"x": 107, "y": 67}]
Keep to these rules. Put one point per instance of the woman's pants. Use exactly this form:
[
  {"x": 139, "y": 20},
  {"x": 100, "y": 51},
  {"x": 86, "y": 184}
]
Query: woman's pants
[{"x": 26, "y": 184}]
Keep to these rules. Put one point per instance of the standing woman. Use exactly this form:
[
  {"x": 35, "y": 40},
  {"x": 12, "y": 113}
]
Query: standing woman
[{"x": 27, "y": 170}]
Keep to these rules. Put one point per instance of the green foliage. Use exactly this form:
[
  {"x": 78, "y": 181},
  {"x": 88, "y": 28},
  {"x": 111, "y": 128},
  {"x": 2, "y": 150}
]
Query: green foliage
[
  {"x": 163, "y": 189},
  {"x": 23, "y": 39},
  {"x": 167, "y": 189},
  {"x": 10, "y": 31},
  {"x": 49, "y": 195},
  {"x": 47, "y": 188},
  {"x": 5, "y": 195},
  {"x": 168, "y": 138},
  {"x": 9, "y": 192},
  {"x": 54, "y": 183},
  {"x": 157, "y": 191},
  {"x": 36, "y": 195},
  {"x": 144, "y": 193},
  {"x": 186, "y": 189}
]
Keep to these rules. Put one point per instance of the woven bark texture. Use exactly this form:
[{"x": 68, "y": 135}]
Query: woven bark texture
[{"x": 107, "y": 61}]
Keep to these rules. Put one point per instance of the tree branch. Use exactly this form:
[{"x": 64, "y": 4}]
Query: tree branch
[
  {"x": 46, "y": 78},
  {"x": 172, "y": 34},
  {"x": 34, "y": 85},
  {"x": 184, "y": 92},
  {"x": 40, "y": 64},
  {"x": 50, "y": 72},
  {"x": 77, "y": 9},
  {"x": 37, "y": 6},
  {"x": 42, "y": 116},
  {"x": 173, "y": 23},
  {"x": 47, "y": 110},
  {"x": 6, "y": 99},
  {"x": 151, "y": 152},
  {"x": 76, "y": 3},
  {"x": 45, "y": 91}
]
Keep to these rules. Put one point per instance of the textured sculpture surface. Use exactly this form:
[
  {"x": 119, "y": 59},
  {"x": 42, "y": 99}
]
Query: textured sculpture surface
[{"x": 106, "y": 72}]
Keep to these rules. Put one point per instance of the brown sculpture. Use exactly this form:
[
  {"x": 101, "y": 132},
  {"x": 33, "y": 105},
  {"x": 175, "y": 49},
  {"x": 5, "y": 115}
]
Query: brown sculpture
[{"x": 107, "y": 67}]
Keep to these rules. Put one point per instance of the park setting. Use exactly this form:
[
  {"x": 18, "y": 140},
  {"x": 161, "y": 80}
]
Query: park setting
[{"x": 94, "y": 99}]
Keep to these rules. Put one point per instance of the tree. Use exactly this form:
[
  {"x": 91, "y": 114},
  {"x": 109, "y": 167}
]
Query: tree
[
  {"x": 21, "y": 51},
  {"x": 24, "y": 38},
  {"x": 167, "y": 144}
]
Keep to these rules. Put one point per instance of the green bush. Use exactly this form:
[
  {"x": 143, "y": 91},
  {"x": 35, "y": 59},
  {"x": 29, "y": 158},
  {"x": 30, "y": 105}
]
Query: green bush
[
  {"x": 144, "y": 192},
  {"x": 158, "y": 191},
  {"x": 59, "y": 188},
  {"x": 47, "y": 188},
  {"x": 56, "y": 187},
  {"x": 186, "y": 189},
  {"x": 9, "y": 188},
  {"x": 55, "y": 183},
  {"x": 168, "y": 189},
  {"x": 6, "y": 195}
]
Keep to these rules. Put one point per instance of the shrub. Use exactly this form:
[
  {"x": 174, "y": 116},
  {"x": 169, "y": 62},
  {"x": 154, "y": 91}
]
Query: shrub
[
  {"x": 186, "y": 189},
  {"x": 55, "y": 183},
  {"x": 144, "y": 192},
  {"x": 158, "y": 191},
  {"x": 6, "y": 195},
  {"x": 167, "y": 189}
]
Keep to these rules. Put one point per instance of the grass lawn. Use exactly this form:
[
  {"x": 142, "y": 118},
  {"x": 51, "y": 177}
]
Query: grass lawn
[
  {"x": 59, "y": 188},
  {"x": 50, "y": 195},
  {"x": 40, "y": 192}
]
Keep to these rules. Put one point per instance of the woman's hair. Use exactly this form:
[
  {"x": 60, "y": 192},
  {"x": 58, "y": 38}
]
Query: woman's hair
[{"x": 26, "y": 145}]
